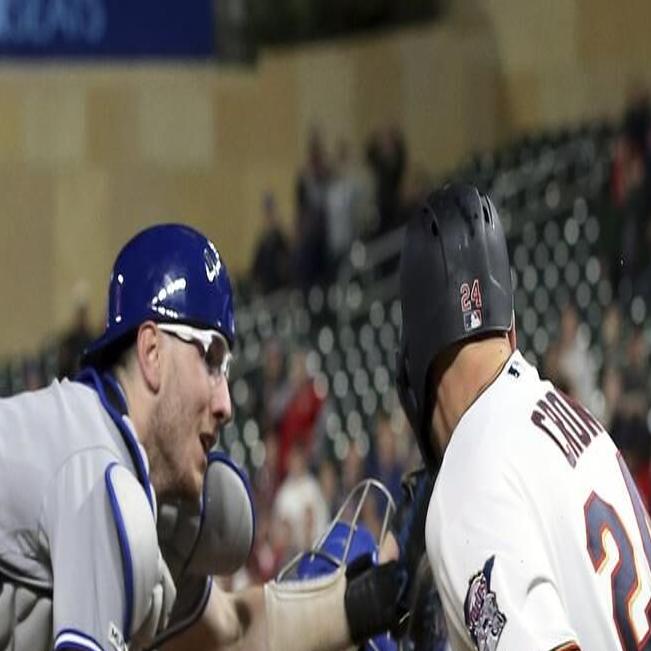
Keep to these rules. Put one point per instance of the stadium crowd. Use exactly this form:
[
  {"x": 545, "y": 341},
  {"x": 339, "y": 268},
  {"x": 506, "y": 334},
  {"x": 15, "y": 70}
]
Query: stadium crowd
[{"x": 339, "y": 199}]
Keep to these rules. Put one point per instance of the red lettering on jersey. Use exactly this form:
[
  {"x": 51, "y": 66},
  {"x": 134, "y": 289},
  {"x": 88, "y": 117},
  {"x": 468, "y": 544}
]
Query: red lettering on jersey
[
  {"x": 537, "y": 418},
  {"x": 575, "y": 446},
  {"x": 564, "y": 412},
  {"x": 586, "y": 417},
  {"x": 573, "y": 422}
]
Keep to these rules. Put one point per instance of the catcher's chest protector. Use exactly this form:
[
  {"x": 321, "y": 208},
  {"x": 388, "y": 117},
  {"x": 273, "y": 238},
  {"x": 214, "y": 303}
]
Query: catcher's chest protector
[{"x": 25, "y": 618}]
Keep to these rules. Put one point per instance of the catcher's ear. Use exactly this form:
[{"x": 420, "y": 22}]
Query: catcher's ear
[{"x": 148, "y": 350}]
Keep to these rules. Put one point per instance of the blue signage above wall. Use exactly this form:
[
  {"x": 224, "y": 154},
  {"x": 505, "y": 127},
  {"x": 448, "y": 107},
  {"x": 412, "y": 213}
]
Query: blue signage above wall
[{"x": 106, "y": 28}]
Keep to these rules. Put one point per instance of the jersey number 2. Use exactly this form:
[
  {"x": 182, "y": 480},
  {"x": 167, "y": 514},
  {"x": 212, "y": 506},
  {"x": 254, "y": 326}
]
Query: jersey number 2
[
  {"x": 625, "y": 581},
  {"x": 470, "y": 298}
]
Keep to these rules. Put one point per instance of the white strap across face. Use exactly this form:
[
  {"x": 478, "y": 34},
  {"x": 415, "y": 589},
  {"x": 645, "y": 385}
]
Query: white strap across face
[{"x": 215, "y": 348}]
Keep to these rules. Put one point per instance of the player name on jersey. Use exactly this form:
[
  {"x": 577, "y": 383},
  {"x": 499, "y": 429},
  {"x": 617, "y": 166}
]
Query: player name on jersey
[{"x": 567, "y": 423}]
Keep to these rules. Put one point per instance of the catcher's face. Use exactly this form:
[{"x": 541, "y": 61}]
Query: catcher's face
[{"x": 194, "y": 405}]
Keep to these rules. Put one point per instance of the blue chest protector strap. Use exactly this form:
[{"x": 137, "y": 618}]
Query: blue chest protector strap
[{"x": 112, "y": 399}]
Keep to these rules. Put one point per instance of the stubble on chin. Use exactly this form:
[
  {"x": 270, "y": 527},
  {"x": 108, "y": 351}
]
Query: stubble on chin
[{"x": 170, "y": 469}]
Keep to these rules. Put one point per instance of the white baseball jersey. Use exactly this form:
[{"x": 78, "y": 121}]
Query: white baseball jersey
[
  {"x": 535, "y": 531},
  {"x": 61, "y": 546}
]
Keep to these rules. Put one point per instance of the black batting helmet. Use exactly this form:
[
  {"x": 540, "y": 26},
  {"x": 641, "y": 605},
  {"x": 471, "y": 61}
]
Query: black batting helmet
[{"x": 455, "y": 284}]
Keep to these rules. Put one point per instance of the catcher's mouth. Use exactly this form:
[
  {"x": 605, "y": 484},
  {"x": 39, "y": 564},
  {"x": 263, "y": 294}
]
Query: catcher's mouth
[{"x": 207, "y": 442}]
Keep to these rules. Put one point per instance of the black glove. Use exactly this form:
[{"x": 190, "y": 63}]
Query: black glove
[
  {"x": 373, "y": 593},
  {"x": 379, "y": 597},
  {"x": 408, "y": 525}
]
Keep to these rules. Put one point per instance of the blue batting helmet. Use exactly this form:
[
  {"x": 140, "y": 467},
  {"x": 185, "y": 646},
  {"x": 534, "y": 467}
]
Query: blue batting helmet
[{"x": 166, "y": 273}]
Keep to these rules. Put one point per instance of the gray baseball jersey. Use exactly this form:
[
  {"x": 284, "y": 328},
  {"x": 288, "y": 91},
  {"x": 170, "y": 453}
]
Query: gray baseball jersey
[{"x": 64, "y": 561}]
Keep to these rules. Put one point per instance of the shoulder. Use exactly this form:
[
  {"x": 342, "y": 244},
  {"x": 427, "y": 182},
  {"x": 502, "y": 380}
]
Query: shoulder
[
  {"x": 494, "y": 449},
  {"x": 92, "y": 485},
  {"x": 64, "y": 415},
  {"x": 122, "y": 555},
  {"x": 498, "y": 431}
]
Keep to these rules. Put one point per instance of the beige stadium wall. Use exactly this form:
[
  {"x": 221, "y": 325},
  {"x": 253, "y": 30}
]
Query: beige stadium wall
[{"x": 89, "y": 154}]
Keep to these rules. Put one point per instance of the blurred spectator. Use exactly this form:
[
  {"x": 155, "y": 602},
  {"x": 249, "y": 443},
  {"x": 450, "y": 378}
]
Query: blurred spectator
[
  {"x": 266, "y": 480},
  {"x": 575, "y": 362},
  {"x": 75, "y": 340},
  {"x": 383, "y": 462},
  {"x": 299, "y": 420},
  {"x": 418, "y": 183},
  {"x": 347, "y": 204},
  {"x": 635, "y": 376},
  {"x": 552, "y": 370},
  {"x": 314, "y": 177},
  {"x": 329, "y": 483},
  {"x": 637, "y": 119},
  {"x": 625, "y": 227},
  {"x": 310, "y": 247},
  {"x": 270, "y": 548},
  {"x": 33, "y": 375},
  {"x": 611, "y": 326},
  {"x": 300, "y": 502},
  {"x": 271, "y": 261},
  {"x": 387, "y": 157},
  {"x": 611, "y": 388},
  {"x": 353, "y": 470},
  {"x": 272, "y": 390}
]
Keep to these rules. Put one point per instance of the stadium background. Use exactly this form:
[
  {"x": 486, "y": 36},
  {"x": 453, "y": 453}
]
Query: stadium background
[{"x": 315, "y": 137}]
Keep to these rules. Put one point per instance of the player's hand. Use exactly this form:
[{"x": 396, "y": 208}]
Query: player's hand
[
  {"x": 380, "y": 597},
  {"x": 389, "y": 550},
  {"x": 373, "y": 593}
]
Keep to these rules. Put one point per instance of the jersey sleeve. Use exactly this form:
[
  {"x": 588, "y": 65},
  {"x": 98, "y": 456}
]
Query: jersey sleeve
[
  {"x": 91, "y": 591},
  {"x": 497, "y": 583}
]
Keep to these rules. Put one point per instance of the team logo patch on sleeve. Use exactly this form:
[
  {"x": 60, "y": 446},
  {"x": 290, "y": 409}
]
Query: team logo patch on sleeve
[
  {"x": 484, "y": 619},
  {"x": 116, "y": 638}
]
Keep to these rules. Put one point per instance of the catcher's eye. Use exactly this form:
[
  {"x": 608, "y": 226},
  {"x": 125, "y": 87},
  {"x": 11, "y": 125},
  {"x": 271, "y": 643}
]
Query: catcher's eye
[
  {"x": 218, "y": 358},
  {"x": 212, "y": 346}
]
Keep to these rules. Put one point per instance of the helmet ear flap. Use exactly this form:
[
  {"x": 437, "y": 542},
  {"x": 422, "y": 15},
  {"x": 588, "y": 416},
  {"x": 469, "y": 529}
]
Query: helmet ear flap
[
  {"x": 406, "y": 393},
  {"x": 416, "y": 416}
]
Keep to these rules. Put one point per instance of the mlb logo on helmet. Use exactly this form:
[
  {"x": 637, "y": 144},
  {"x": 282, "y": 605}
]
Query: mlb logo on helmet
[{"x": 472, "y": 320}]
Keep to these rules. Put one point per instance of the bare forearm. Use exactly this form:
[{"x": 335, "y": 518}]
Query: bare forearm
[
  {"x": 238, "y": 621},
  {"x": 231, "y": 621}
]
